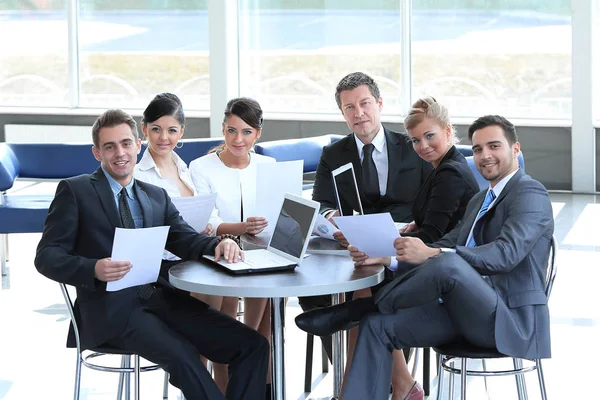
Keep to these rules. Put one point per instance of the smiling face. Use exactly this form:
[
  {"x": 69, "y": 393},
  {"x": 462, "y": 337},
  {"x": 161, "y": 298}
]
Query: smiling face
[
  {"x": 362, "y": 112},
  {"x": 494, "y": 157},
  {"x": 430, "y": 140},
  {"x": 239, "y": 136},
  {"x": 117, "y": 152},
  {"x": 163, "y": 135}
]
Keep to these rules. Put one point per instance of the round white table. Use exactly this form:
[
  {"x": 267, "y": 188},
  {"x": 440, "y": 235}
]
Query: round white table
[{"x": 319, "y": 274}]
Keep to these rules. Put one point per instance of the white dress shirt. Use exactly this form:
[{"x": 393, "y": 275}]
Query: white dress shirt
[
  {"x": 232, "y": 186},
  {"x": 380, "y": 157}
]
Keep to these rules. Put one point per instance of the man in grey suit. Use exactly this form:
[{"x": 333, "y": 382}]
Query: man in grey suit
[{"x": 483, "y": 282}]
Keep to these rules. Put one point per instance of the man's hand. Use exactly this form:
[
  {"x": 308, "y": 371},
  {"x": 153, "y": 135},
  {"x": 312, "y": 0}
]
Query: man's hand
[
  {"x": 229, "y": 250},
  {"x": 361, "y": 259},
  {"x": 107, "y": 270},
  {"x": 413, "y": 250},
  {"x": 208, "y": 231},
  {"x": 330, "y": 217},
  {"x": 410, "y": 227},
  {"x": 255, "y": 225},
  {"x": 339, "y": 236}
]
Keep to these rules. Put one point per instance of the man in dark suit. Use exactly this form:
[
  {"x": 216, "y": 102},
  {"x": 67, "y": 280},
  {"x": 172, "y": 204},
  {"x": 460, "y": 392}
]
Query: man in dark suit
[
  {"x": 156, "y": 321},
  {"x": 483, "y": 282}
]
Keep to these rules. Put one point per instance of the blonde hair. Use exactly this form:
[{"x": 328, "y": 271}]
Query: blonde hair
[{"x": 429, "y": 108}]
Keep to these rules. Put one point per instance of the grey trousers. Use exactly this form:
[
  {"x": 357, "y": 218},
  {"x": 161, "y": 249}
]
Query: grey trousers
[{"x": 411, "y": 315}]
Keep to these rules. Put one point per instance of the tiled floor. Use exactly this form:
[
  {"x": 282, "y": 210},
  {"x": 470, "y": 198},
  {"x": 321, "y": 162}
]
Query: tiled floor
[{"x": 34, "y": 364}]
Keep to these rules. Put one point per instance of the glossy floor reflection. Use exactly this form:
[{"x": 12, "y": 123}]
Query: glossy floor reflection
[{"x": 35, "y": 364}]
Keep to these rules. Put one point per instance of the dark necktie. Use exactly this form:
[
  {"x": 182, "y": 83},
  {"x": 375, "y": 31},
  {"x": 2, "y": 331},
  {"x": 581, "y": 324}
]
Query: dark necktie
[
  {"x": 489, "y": 198},
  {"x": 370, "y": 181},
  {"x": 144, "y": 292}
]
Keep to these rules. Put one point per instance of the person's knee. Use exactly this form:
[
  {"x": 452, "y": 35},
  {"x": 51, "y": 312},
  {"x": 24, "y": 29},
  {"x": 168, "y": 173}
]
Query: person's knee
[{"x": 447, "y": 265}]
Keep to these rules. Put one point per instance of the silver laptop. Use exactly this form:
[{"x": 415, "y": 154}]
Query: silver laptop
[
  {"x": 344, "y": 177},
  {"x": 287, "y": 244}
]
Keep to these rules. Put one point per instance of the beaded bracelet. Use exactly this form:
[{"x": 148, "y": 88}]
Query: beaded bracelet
[{"x": 236, "y": 239}]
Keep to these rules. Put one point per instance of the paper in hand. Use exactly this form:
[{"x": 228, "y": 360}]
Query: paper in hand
[
  {"x": 195, "y": 210},
  {"x": 373, "y": 234},
  {"x": 324, "y": 228}
]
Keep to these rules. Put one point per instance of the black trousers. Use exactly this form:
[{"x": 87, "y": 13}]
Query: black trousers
[{"x": 173, "y": 329}]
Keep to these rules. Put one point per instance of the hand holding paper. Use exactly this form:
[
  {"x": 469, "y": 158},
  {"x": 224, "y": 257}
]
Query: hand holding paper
[
  {"x": 372, "y": 234},
  {"x": 324, "y": 228}
]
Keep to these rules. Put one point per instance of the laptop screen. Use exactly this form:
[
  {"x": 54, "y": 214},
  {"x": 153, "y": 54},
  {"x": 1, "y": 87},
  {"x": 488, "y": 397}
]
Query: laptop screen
[
  {"x": 344, "y": 179},
  {"x": 292, "y": 228}
]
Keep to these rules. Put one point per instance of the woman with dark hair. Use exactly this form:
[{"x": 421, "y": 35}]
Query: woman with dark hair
[{"x": 229, "y": 170}]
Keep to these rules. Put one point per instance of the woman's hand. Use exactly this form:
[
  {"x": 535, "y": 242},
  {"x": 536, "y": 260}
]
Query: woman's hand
[
  {"x": 208, "y": 231},
  {"x": 255, "y": 225},
  {"x": 410, "y": 227},
  {"x": 362, "y": 260}
]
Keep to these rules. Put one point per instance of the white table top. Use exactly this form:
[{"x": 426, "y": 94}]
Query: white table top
[{"x": 318, "y": 274}]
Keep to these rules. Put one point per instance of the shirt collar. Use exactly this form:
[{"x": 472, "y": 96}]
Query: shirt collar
[
  {"x": 378, "y": 141},
  {"x": 500, "y": 185},
  {"x": 116, "y": 186},
  {"x": 147, "y": 162}
]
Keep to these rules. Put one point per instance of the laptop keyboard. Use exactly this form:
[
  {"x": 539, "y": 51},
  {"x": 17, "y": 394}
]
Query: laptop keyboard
[{"x": 264, "y": 258}]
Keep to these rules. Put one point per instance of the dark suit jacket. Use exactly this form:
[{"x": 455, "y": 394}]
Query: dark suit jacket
[
  {"x": 442, "y": 200},
  {"x": 406, "y": 173},
  {"x": 515, "y": 236},
  {"x": 79, "y": 231}
]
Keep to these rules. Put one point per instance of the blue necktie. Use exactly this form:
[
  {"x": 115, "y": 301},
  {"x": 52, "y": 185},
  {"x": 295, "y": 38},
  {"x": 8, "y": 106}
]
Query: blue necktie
[{"x": 489, "y": 198}]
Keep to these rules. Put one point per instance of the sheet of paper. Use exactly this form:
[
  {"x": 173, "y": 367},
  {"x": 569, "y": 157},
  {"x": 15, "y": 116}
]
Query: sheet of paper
[
  {"x": 273, "y": 181},
  {"x": 324, "y": 228},
  {"x": 195, "y": 210},
  {"x": 143, "y": 248},
  {"x": 373, "y": 234}
]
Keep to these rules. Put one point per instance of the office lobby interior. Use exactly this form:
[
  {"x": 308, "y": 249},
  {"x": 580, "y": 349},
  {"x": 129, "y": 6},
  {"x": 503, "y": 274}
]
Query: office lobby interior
[{"x": 536, "y": 62}]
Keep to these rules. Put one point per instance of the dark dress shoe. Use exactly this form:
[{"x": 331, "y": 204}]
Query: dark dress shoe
[{"x": 326, "y": 321}]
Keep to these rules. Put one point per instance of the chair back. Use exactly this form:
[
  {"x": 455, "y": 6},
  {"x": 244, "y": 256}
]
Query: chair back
[
  {"x": 69, "y": 304},
  {"x": 551, "y": 272}
]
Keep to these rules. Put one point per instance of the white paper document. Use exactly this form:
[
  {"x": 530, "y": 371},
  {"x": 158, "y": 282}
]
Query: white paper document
[
  {"x": 273, "y": 181},
  {"x": 324, "y": 228},
  {"x": 373, "y": 234},
  {"x": 143, "y": 248},
  {"x": 196, "y": 210}
]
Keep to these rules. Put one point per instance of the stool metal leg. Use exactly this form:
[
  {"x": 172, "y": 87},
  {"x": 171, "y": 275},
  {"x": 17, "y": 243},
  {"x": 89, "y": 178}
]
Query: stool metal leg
[
  {"x": 440, "y": 378},
  {"x": 451, "y": 382},
  {"x": 463, "y": 379},
  {"x": 538, "y": 364},
  {"x": 121, "y": 378},
  {"x": 310, "y": 340},
  {"x": 77, "y": 377},
  {"x": 166, "y": 386},
  {"x": 3, "y": 253},
  {"x": 484, "y": 368},
  {"x": 136, "y": 377},
  {"x": 127, "y": 379},
  {"x": 520, "y": 378}
]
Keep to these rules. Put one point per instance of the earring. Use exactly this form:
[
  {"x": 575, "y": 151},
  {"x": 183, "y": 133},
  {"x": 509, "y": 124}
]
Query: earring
[{"x": 179, "y": 144}]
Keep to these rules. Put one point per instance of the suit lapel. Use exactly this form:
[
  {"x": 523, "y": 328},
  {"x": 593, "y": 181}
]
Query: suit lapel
[
  {"x": 106, "y": 196},
  {"x": 145, "y": 204},
  {"x": 395, "y": 153}
]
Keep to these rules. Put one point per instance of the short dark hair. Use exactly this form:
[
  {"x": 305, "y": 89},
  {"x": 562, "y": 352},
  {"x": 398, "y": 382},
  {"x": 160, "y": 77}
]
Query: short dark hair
[
  {"x": 247, "y": 109},
  {"x": 495, "y": 120},
  {"x": 354, "y": 80},
  {"x": 164, "y": 104},
  {"x": 109, "y": 119}
]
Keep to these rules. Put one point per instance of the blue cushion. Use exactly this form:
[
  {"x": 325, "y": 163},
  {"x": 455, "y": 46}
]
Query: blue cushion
[
  {"x": 307, "y": 149},
  {"x": 483, "y": 183},
  {"x": 54, "y": 160},
  {"x": 24, "y": 213},
  {"x": 465, "y": 149},
  {"x": 9, "y": 167}
]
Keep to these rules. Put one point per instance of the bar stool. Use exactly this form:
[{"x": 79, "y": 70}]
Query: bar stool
[
  {"x": 87, "y": 358},
  {"x": 451, "y": 352}
]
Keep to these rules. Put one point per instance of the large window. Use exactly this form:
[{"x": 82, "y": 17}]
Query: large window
[
  {"x": 131, "y": 50},
  {"x": 33, "y": 53},
  {"x": 510, "y": 57},
  {"x": 293, "y": 53}
]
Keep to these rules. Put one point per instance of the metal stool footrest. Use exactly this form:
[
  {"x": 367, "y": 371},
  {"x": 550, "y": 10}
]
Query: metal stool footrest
[{"x": 86, "y": 361}]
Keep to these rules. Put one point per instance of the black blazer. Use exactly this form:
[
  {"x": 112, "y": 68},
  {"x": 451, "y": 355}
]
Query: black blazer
[
  {"x": 443, "y": 198},
  {"x": 406, "y": 173},
  {"x": 79, "y": 231}
]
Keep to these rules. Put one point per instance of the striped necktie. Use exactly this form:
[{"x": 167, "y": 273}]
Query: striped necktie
[{"x": 489, "y": 198}]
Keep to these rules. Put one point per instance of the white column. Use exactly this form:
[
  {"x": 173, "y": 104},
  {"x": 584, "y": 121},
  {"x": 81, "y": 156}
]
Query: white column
[
  {"x": 583, "y": 137},
  {"x": 73, "y": 56},
  {"x": 223, "y": 58},
  {"x": 405, "y": 55}
]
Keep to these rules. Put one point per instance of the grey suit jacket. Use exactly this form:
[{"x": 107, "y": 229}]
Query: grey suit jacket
[
  {"x": 515, "y": 236},
  {"x": 406, "y": 173}
]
